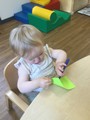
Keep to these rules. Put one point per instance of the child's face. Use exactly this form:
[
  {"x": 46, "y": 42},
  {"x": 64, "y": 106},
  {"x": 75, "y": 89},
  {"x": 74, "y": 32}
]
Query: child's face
[{"x": 36, "y": 56}]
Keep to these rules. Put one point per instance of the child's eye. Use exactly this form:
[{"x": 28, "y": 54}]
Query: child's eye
[{"x": 41, "y": 54}]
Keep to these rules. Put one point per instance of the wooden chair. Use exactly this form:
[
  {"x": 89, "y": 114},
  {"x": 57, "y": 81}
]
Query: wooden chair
[{"x": 13, "y": 95}]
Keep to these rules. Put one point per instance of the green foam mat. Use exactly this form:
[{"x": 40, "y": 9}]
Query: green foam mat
[{"x": 46, "y": 25}]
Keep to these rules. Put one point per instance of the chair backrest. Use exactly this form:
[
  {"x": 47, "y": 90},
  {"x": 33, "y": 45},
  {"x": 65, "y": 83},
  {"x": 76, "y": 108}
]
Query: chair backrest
[{"x": 10, "y": 74}]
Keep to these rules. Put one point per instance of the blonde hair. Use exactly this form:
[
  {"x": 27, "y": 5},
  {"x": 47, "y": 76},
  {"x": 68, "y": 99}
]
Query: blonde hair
[{"x": 24, "y": 37}]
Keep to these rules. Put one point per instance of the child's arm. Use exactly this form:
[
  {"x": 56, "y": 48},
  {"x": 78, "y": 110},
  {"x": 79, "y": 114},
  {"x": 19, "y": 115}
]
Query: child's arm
[
  {"x": 60, "y": 57},
  {"x": 25, "y": 85}
]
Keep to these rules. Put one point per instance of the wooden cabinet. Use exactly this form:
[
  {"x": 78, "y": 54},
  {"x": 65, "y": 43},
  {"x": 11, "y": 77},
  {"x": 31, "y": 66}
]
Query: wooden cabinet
[
  {"x": 73, "y": 5},
  {"x": 78, "y": 4}
]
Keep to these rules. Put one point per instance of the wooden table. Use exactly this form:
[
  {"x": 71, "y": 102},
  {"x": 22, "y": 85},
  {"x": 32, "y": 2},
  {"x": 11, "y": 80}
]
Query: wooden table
[{"x": 57, "y": 103}]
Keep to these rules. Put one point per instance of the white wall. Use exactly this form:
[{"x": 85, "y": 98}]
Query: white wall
[{"x": 9, "y": 7}]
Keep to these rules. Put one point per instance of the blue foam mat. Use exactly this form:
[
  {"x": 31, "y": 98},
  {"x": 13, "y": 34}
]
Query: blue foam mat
[{"x": 20, "y": 16}]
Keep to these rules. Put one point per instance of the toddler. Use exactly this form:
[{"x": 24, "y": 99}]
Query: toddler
[{"x": 37, "y": 63}]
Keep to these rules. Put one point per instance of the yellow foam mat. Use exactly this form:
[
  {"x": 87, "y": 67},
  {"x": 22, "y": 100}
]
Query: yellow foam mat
[
  {"x": 44, "y": 13},
  {"x": 41, "y": 2}
]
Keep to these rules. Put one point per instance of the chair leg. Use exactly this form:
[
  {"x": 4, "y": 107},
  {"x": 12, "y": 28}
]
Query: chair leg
[
  {"x": 8, "y": 102},
  {"x": 14, "y": 98}
]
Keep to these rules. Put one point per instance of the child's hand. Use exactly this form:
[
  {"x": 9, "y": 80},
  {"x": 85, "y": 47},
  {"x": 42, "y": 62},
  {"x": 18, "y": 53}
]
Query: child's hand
[
  {"x": 59, "y": 67},
  {"x": 45, "y": 82}
]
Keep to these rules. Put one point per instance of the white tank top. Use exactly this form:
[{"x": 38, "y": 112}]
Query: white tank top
[{"x": 44, "y": 69}]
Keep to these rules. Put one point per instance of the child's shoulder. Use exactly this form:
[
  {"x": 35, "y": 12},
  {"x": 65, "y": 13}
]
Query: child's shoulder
[
  {"x": 47, "y": 49},
  {"x": 18, "y": 63},
  {"x": 22, "y": 70}
]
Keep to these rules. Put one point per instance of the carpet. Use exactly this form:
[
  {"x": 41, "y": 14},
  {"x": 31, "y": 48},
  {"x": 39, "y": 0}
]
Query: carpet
[{"x": 85, "y": 11}]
